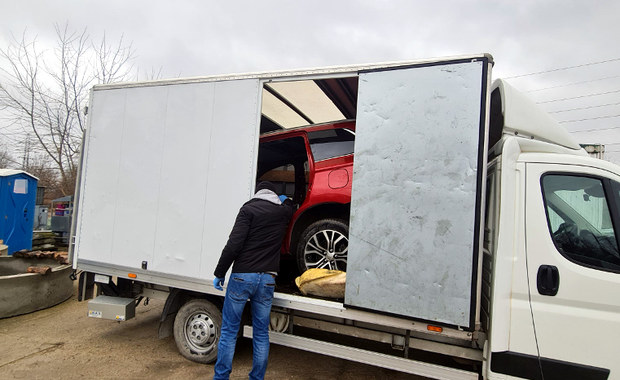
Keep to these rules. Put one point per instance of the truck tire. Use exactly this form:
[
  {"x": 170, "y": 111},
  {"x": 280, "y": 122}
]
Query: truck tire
[
  {"x": 324, "y": 244},
  {"x": 197, "y": 330}
]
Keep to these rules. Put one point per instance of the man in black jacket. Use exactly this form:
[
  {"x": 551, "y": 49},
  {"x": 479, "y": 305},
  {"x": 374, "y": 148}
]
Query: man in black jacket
[{"x": 253, "y": 250}]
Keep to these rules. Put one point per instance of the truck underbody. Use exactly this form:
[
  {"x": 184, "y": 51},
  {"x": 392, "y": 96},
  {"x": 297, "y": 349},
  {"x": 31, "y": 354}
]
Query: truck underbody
[{"x": 314, "y": 324}]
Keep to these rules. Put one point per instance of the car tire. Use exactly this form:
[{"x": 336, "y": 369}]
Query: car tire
[
  {"x": 197, "y": 327},
  {"x": 324, "y": 244}
]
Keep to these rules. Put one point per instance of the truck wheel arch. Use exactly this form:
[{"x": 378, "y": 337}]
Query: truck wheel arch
[
  {"x": 175, "y": 300},
  {"x": 197, "y": 327}
]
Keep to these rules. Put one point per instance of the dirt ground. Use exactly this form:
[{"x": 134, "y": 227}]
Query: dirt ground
[{"x": 62, "y": 342}]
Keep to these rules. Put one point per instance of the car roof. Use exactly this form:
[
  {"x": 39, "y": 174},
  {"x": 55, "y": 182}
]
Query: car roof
[{"x": 350, "y": 124}]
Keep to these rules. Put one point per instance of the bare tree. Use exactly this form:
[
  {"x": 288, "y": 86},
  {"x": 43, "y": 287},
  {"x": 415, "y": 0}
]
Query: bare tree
[
  {"x": 6, "y": 160},
  {"x": 45, "y": 91},
  {"x": 40, "y": 167},
  {"x": 153, "y": 74},
  {"x": 113, "y": 61}
]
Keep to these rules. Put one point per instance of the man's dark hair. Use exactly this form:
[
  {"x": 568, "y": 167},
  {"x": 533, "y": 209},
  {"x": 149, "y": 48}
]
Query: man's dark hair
[{"x": 265, "y": 185}]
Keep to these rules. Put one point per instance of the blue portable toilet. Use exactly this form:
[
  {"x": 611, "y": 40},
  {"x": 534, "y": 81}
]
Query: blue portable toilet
[{"x": 18, "y": 192}]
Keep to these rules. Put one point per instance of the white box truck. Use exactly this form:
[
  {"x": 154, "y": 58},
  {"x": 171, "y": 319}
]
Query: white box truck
[{"x": 483, "y": 241}]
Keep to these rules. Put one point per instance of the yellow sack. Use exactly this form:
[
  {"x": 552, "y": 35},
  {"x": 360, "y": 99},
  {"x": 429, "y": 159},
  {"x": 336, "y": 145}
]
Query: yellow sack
[
  {"x": 322, "y": 282},
  {"x": 4, "y": 249}
]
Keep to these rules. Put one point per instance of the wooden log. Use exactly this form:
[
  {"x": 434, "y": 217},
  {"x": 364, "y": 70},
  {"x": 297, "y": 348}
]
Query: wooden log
[
  {"x": 61, "y": 257},
  {"x": 40, "y": 270}
]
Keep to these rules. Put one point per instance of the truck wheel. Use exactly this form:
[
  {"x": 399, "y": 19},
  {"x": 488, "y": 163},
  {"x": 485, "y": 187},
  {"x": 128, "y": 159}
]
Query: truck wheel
[
  {"x": 197, "y": 330},
  {"x": 324, "y": 244}
]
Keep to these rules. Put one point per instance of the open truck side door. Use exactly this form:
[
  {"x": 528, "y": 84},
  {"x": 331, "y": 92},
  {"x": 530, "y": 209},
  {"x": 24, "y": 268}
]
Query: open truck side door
[{"x": 417, "y": 195}]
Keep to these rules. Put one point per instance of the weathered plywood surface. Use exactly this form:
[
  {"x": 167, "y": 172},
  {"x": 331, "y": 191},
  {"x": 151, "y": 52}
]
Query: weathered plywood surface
[{"x": 414, "y": 192}]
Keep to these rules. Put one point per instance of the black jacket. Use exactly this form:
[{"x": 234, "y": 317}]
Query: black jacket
[{"x": 255, "y": 241}]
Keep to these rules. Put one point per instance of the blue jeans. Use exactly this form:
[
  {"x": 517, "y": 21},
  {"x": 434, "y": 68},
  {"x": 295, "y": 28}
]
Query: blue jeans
[{"x": 258, "y": 288}]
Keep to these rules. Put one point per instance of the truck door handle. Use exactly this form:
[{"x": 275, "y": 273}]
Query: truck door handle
[{"x": 548, "y": 280}]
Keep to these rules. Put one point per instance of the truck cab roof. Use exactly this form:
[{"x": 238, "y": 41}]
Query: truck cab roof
[{"x": 514, "y": 114}]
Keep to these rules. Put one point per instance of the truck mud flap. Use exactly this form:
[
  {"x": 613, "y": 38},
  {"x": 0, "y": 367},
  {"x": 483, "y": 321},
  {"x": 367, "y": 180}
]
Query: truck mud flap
[{"x": 86, "y": 286}]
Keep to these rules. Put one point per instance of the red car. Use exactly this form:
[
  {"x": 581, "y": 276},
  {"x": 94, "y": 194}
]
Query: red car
[{"x": 313, "y": 166}]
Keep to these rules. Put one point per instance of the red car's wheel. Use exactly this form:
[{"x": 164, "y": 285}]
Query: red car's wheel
[{"x": 324, "y": 244}]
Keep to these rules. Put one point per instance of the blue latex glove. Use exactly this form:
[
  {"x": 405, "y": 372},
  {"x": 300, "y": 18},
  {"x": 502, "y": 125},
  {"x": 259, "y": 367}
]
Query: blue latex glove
[
  {"x": 218, "y": 282},
  {"x": 283, "y": 198}
]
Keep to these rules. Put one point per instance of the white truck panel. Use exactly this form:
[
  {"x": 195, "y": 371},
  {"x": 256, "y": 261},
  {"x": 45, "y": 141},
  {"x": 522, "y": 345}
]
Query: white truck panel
[
  {"x": 144, "y": 199},
  {"x": 183, "y": 214},
  {"x": 102, "y": 152},
  {"x": 232, "y": 167},
  {"x": 137, "y": 199}
]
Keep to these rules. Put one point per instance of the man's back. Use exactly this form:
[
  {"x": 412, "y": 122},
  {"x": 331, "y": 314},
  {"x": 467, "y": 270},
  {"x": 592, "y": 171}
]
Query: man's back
[
  {"x": 261, "y": 249},
  {"x": 255, "y": 241}
]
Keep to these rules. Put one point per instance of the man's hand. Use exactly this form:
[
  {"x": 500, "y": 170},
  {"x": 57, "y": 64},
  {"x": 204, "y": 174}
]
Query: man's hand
[{"x": 218, "y": 282}]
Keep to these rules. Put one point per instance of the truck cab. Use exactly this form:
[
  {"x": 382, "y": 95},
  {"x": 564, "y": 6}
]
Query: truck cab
[{"x": 551, "y": 258}]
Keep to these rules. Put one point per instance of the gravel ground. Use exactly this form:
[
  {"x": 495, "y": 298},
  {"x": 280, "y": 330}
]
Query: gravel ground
[{"x": 62, "y": 342}]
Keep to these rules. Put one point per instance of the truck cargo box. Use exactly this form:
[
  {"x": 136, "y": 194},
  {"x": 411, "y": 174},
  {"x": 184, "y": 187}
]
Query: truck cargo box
[{"x": 167, "y": 164}]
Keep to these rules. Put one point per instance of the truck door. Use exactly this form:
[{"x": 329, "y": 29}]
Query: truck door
[
  {"x": 416, "y": 192},
  {"x": 573, "y": 270},
  {"x": 165, "y": 169}
]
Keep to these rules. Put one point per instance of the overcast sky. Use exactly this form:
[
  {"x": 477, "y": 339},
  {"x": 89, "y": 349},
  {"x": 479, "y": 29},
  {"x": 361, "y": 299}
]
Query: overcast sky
[{"x": 194, "y": 38}]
